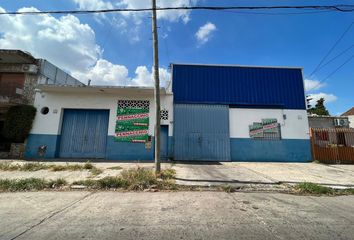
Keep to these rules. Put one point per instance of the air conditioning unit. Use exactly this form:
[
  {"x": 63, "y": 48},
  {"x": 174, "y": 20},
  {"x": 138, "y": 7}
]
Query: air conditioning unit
[
  {"x": 29, "y": 68},
  {"x": 341, "y": 122}
]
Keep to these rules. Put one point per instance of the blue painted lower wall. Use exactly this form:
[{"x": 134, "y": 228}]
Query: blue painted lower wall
[
  {"x": 285, "y": 150},
  {"x": 34, "y": 141},
  {"x": 114, "y": 150},
  {"x": 128, "y": 150},
  {"x": 242, "y": 149}
]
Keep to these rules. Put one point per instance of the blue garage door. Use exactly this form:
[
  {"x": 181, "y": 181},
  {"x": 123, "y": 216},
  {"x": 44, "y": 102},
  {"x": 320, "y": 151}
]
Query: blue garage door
[
  {"x": 84, "y": 133},
  {"x": 201, "y": 132}
]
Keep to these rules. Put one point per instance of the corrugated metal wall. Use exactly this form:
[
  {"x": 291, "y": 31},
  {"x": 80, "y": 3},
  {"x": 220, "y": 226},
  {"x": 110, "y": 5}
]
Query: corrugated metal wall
[
  {"x": 201, "y": 132},
  {"x": 240, "y": 86},
  {"x": 50, "y": 74}
]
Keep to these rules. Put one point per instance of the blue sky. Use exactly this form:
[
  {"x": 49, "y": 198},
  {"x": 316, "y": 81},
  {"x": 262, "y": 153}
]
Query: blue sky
[{"x": 117, "y": 49}]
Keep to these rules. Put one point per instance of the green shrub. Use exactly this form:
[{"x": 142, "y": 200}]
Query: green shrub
[{"x": 18, "y": 122}]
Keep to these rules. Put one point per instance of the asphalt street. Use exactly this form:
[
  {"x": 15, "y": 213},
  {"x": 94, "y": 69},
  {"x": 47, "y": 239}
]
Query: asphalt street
[{"x": 174, "y": 215}]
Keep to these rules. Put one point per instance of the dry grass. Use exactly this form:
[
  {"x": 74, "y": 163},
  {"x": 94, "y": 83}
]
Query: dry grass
[
  {"x": 30, "y": 184},
  {"x": 8, "y": 166}
]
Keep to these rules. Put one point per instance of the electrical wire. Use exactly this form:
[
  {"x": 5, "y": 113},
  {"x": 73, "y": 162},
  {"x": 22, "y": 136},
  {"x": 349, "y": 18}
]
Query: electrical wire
[
  {"x": 331, "y": 49},
  {"x": 337, "y": 8},
  {"x": 334, "y": 58},
  {"x": 278, "y": 13},
  {"x": 332, "y": 73}
]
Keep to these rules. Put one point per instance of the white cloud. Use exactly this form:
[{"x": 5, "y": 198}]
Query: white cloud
[
  {"x": 328, "y": 97},
  {"x": 108, "y": 74},
  {"x": 172, "y": 15},
  {"x": 311, "y": 84},
  {"x": 205, "y": 32},
  {"x": 64, "y": 41},
  {"x": 144, "y": 77},
  {"x": 104, "y": 73},
  {"x": 71, "y": 45},
  {"x": 93, "y": 4}
]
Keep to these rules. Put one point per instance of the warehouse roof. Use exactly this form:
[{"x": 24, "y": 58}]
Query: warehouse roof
[{"x": 251, "y": 86}]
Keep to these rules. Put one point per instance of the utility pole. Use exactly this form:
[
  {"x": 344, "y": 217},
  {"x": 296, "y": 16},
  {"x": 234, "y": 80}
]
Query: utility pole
[{"x": 157, "y": 88}]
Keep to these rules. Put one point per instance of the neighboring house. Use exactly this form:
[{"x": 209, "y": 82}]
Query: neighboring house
[
  {"x": 20, "y": 73},
  {"x": 350, "y": 115},
  {"x": 328, "y": 121},
  {"x": 208, "y": 113}
]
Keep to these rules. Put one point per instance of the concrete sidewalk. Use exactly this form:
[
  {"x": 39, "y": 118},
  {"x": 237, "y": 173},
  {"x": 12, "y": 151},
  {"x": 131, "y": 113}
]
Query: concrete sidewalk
[
  {"x": 208, "y": 174},
  {"x": 265, "y": 173}
]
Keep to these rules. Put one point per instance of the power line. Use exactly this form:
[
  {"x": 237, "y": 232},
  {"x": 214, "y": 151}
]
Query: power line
[
  {"x": 332, "y": 73},
  {"x": 279, "y": 13},
  {"x": 337, "y": 8},
  {"x": 334, "y": 58},
  {"x": 331, "y": 49}
]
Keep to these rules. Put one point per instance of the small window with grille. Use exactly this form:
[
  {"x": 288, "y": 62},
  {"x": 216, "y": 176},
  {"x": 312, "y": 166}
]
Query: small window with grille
[{"x": 164, "y": 114}]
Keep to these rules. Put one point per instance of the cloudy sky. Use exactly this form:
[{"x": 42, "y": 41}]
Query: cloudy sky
[{"x": 116, "y": 48}]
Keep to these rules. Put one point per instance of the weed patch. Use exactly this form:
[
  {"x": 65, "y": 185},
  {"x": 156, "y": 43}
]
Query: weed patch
[
  {"x": 96, "y": 171},
  {"x": 8, "y": 166},
  {"x": 313, "y": 188},
  {"x": 137, "y": 179},
  {"x": 228, "y": 188},
  {"x": 30, "y": 184},
  {"x": 168, "y": 173},
  {"x": 115, "y": 168}
]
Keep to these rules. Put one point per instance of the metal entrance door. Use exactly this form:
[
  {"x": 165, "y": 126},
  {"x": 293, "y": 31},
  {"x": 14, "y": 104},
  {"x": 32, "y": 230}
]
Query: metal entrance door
[
  {"x": 195, "y": 140},
  {"x": 164, "y": 142},
  {"x": 84, "y": 133},
  {"x": 201, "y": 132}
]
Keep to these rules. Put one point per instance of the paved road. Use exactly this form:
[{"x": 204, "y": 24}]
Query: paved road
[{"x": 179, "y": 215}]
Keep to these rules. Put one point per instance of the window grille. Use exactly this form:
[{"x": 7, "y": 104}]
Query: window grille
[
  {"x": 143, "y": 104},
  {"x": 164, "y": 114}
]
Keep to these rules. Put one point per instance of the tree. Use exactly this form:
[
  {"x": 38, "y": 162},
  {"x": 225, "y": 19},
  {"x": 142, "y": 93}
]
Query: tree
[
  {"x": 18, "y": 122},
  {"x": 308, "y": 100},
  {"x": 319, "y": 108}
]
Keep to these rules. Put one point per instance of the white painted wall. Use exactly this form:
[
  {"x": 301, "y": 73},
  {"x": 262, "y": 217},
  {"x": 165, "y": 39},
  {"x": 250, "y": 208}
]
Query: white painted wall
[
  {"x": 351, "y": 121},
  {"x": 295, "y": 126},
  {"x": 58, "y": 101}
]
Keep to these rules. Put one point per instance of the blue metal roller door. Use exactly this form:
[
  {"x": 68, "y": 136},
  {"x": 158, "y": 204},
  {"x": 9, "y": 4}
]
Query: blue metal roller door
[
  {"x": 201, "y": 132},
  {"x": 84, "y": 133}
]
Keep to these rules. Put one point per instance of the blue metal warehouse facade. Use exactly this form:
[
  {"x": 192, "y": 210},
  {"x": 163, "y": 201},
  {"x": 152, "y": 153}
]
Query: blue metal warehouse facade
[
  {"x": 242, "y": 86},
  {"x": 236, "y": 88}
]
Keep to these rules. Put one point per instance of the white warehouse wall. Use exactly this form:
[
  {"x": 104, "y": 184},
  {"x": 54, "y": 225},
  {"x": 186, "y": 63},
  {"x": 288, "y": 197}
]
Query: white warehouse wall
[
  {"x": 295, "y": 126},
  {"x": 58, "y": 101}
]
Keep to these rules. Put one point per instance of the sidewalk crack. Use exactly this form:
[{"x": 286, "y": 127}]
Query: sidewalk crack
[{"x": 52, "y": 215}]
